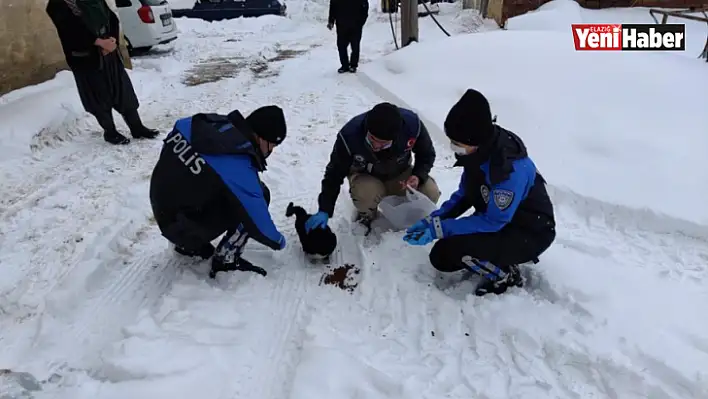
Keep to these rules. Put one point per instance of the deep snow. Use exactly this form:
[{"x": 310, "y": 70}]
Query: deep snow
[
  {"x": 623, "y": 128},
  {"x": 91, "y": 293}
]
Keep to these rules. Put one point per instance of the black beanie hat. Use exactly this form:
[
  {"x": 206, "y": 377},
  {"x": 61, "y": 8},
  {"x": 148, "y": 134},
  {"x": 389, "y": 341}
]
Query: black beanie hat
[
  {"x": 268, "y": 123},
  {"x": 384, "y": 121},
  {"x": 470, "y": 120}
]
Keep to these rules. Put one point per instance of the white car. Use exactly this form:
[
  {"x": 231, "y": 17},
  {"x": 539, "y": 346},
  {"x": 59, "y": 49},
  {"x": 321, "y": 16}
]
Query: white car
[{"x": 146, "y": 23}]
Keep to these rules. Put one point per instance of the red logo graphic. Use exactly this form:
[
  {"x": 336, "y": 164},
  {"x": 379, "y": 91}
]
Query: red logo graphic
[{"x": 623, "y": 37}]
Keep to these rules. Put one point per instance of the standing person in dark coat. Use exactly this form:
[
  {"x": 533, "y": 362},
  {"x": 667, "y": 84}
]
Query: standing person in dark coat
[
  {"x": 513, "y": 219},
  {"x": 89, "y": 35},
  {"x": 349, "y": 16}
]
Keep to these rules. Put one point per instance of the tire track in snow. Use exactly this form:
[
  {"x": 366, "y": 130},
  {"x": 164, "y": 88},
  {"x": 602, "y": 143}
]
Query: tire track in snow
[
  {"x": 291, "y": 313},
  {"x": 110, "y": 298},
  {"x": 287, "y": 326},
  {"x": 285, "y": 312},
  {"x": 52, "y": 247},
  {"x": 56, "y": 230},
  {"x": 276, "y": 369},
  {"x": 126, "y": 292}
]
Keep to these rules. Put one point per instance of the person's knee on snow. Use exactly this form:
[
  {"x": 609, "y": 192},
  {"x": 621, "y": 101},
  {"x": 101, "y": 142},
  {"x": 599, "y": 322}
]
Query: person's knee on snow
[{"x": 366, "y": 192}]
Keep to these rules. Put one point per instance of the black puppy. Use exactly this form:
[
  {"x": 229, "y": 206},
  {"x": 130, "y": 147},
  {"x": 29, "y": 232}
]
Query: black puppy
[{"x": 318, "y": 242}]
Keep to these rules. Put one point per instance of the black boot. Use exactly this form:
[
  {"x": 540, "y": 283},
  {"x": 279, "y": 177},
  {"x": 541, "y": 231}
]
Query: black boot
[
  {"x": 343, "y": 69},
  {"x": 205, "y": 252},
  {"x": 499, "y": 286},
  {"x": 114, "y": 137},
  {"x": 218, "y": 265},
  {"x": 137, "y": 129},
  {"x": 110, "y": 133}
]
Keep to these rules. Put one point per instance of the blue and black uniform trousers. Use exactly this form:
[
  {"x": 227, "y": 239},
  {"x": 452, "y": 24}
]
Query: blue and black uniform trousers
[
  {"x": 193, "y": 231},
  {"x": 509, "y": 246}
]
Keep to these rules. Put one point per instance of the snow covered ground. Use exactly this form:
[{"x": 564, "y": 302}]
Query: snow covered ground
[{"x": 92, "y": 300}]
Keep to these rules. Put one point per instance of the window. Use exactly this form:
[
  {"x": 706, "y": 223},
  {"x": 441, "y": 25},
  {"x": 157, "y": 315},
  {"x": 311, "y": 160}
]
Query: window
[{"x": 123, "y": 3}]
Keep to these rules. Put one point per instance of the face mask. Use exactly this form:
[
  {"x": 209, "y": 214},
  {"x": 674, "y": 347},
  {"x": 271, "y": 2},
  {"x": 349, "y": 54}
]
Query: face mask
[
  {"x": 457, "y": 149},
  {"x": 378, "y": 148}
]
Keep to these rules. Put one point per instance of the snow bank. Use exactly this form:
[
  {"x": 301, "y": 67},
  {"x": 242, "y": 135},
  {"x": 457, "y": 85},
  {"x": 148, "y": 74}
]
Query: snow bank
[
  {"x": 558, "y": 15},
  {"x": 309, "y": 10},
  {"x": 624, "y": 128},
  {"x": 49, "y": 113},
  {"x": 27, "y": 112}
]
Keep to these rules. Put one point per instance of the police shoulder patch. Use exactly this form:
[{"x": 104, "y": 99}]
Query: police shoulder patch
[{"x": 503, "y": 198}]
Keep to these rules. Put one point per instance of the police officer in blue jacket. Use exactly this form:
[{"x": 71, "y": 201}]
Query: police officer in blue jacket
[
  {"x": 206, "y": 183},
  {"x": 513, "y": 220}
]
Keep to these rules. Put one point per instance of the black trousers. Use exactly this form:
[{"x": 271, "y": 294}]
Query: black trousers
[
  {"x": 107, "y": 88},
  {"x": 349, "y": 36},
  {"x": 510, "y": 246},
  {"x": 193, "y": 230}
]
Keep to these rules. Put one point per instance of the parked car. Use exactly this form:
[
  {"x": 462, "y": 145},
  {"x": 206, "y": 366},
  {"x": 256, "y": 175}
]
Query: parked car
[
  {"x": 146, "y": 23},
  {"x": 216, "y": 10}
]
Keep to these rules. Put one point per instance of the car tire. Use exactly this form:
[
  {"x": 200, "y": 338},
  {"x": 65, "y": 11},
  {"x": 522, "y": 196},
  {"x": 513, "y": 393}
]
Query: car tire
[
  {"x": 133, "y": 51},
  {"x": 140, "y": 50}
]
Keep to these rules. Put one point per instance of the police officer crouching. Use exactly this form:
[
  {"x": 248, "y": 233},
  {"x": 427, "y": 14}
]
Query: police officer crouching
[
  {"x": 513, "y": 219},
  {"x": 374, "y": 151},
  {"x": 206, "y": 183}
]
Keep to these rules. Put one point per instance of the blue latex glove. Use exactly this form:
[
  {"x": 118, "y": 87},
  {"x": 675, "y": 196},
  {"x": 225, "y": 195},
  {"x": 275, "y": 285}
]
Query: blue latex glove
[
  {"x": 419, "y": 225},
  {"x": 423, "y": 237},
  {"x": 318, "y": 220}
]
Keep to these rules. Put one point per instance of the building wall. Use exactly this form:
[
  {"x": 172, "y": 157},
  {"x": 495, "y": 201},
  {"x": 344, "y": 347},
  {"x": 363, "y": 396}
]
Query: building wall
[
  {"x": 501, "y": 10},
  {"x": 30, "y": 51}
]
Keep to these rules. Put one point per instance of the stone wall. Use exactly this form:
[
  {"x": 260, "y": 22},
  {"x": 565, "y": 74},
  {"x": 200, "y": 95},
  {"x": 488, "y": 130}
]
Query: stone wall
[
  {"x": 30, "y": 51},
  {"x": 501, "y": 10}
]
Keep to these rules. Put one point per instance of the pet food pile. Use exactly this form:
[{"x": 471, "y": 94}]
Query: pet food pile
[{"x": 343, "y": 277}]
